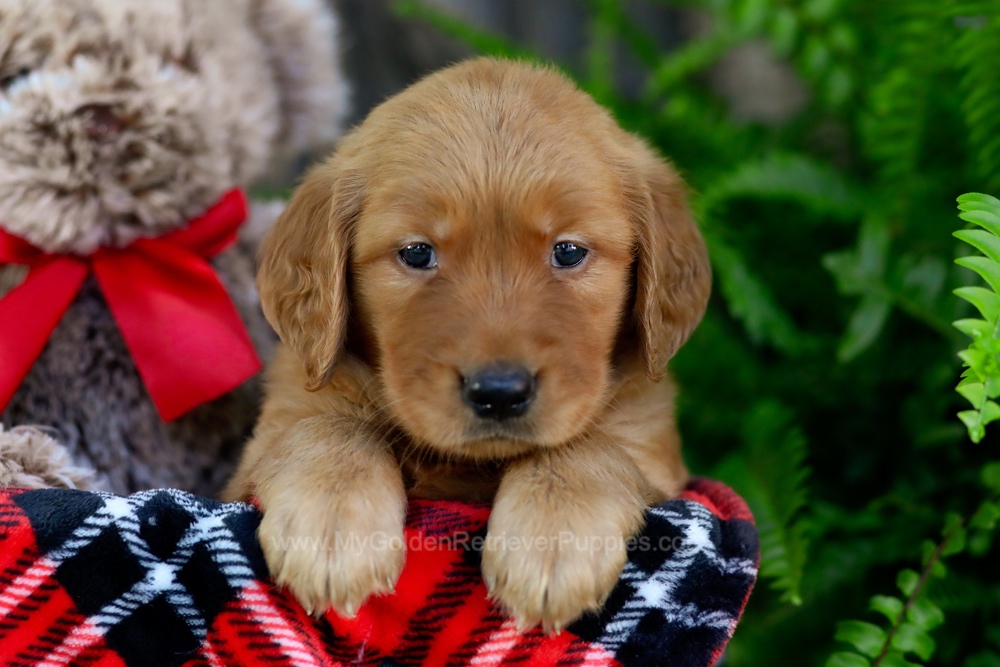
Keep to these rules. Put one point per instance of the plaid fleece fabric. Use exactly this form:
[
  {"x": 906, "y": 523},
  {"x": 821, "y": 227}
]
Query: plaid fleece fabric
[{"x": 167, "y": 578}]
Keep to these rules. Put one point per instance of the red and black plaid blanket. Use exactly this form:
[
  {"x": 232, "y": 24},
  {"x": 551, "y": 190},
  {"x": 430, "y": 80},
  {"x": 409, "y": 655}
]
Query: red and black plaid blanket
[{"x": 167, "y": 578}]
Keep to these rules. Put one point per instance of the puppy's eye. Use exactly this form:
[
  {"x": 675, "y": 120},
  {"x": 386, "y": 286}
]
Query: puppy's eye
[
  {"x": 9, "y": 80},
  {"x": 566, "y": 255},
  {"x": 419, "y": 256}
]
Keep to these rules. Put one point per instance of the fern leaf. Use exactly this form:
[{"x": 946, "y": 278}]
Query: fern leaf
[
  {"x": 691, "y": 59},
  {"x": 861, "y": 271},
  {"x": 985, "y": 301},
  {"x": 782, "y": 176},
  {"x": 982, "y": 210},
  {"x": 896, "y": 120},
  {"x": 864, "y": 327},
  {"x": 987, "y": 268},
  {"x": 985, "y": 242},
  {"x": 974, "y": 328},
  {"x": 770, "y": 472},
  {"x": 981, "y": 381},
  {"x": 485, "y": 43},
  {"x": 977, "y": 51},
  {"x": 750, "y": 300}
]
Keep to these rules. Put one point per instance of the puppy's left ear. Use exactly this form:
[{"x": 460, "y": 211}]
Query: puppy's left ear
[{"x": 673, "y": 276}]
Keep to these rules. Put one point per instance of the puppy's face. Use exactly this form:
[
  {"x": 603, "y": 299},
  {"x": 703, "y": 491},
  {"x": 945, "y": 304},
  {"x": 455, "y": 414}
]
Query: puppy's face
[
  {"x": 491, "y": 238},
  {"x": 494, "y": 303}
]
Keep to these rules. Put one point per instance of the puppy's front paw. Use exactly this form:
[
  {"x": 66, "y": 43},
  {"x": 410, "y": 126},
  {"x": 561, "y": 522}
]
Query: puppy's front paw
[
  {"x": 544, "y": 573},
  {"x": 334, "y": 551}
]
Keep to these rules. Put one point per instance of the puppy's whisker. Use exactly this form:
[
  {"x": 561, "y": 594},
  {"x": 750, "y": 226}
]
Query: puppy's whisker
[{"x": 382, "y": 410}]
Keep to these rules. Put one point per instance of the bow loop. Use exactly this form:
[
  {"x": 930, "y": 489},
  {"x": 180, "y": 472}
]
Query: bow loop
[
  {"x": 215, "y": 231},
  {"x": 14, "y": 250},
  {"x": 186, "y": 336}
]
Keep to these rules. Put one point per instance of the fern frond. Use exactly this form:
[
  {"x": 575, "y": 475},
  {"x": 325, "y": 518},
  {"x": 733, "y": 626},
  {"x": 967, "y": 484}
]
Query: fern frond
[
  {"x": 791, "y": 177},
  {"x": 981, "y": 381},
  {"x": 688, "y": 60},
  {"x": 599, "y": 58},
  {"x": 861, "y": 271},
  {"x": 977, "y": 52},
  {"x": 896, "y": 120},
  {"x": 613, "y": 15},
  {"x": 776, "y": 176},
  {"x": 771, "y": 473},
  {"x": 751, "y": 301},
  {"x": 483, "y": 42},
  {"x": 911, "y": 618},
  {"x": 912, "y": 283}
]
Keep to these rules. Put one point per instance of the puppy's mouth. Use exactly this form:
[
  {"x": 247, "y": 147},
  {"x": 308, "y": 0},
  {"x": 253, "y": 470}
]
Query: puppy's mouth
[
  {"x": 493, "y": 431},
  {"x": 495, "y": 442}
]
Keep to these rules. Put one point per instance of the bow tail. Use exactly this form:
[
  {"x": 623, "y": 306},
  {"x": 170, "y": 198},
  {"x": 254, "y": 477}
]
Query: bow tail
[
  {"x": 188, "y": 341},
  {"x": 29, "y": 314}
]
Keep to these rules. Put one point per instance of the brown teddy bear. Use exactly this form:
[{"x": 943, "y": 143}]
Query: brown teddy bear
[{"x": 128, "y": 315}]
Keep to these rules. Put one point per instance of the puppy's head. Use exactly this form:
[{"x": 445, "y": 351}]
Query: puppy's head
[{"x": 492, "y": 242}]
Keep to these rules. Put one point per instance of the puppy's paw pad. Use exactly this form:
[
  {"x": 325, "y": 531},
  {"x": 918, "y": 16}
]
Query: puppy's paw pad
[
  {"x": 333, "y": 564},
  {"x": 550, "y": 586}
]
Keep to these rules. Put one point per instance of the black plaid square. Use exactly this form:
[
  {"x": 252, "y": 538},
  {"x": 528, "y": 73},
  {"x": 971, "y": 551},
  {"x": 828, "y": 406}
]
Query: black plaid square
[{"x": 150, "y": 571}]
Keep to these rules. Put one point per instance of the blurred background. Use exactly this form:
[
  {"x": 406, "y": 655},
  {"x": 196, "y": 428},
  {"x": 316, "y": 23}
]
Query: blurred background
[
  {"x": 384, "y": 51},
  {"x": 826, "y": 142}
]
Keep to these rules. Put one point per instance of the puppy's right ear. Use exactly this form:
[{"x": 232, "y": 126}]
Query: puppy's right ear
[{"x": 302, "y": 274}]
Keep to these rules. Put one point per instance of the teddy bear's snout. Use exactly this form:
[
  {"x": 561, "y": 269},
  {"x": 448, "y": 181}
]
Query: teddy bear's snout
[{"x": 101, "y": 120}]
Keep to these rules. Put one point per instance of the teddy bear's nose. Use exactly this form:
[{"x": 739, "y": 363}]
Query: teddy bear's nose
[{"x": 100, "y": 120}]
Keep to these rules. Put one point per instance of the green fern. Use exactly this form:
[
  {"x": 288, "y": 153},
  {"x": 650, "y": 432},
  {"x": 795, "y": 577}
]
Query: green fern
[
  {"x": 790, "y": 177},
  {"x": 486, "y": 43},
  {"x": 775, "y": 177},
  {"x": 771, "y": 475},
  {"x": 896, "y": 117},
  {"x": 902, "y": 115},
  {"x": 980, "y": 383},
  {"x": 977, "y": 52},
  {"x": 750, "y": 300},
  {"x": 912, "y": 617},
  {"x": 907, "y": 640},
  {"x": 687, "y": 61}
]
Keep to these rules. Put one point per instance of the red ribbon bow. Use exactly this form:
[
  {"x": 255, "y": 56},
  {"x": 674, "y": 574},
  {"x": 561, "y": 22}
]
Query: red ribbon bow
[{"x": 177, "y": 319}]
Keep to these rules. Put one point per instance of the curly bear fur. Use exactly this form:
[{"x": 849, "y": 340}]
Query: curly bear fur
[{"x": 124, "y": 119}]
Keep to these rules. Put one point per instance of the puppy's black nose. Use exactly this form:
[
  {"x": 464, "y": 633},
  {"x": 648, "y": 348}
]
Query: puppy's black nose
[{"x": 499, "y": 391}]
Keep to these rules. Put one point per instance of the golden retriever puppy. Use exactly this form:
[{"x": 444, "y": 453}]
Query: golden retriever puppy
[{"x": 477, "y": 294}]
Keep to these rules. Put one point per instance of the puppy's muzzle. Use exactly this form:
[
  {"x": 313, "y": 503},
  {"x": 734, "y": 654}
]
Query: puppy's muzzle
[{"x": 499, "y": 391}]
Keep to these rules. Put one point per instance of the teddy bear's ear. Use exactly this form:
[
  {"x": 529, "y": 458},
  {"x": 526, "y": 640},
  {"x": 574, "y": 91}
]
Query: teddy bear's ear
[{"x": 301, "y": 40}]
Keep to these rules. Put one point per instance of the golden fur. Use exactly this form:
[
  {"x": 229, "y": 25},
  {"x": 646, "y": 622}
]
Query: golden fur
[{"x": 492, "y": 163}]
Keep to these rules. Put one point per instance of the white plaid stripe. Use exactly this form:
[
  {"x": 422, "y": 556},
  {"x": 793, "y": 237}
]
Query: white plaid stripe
[
  {"x": 271, "y": 622},
  {"x": 121, "y": 515},
  {"x": 656, "y": 592},
  {"x": 83, "y": 636},
  {"x": 495, "y": 649},
  {"x": 26, "y": 584}
]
